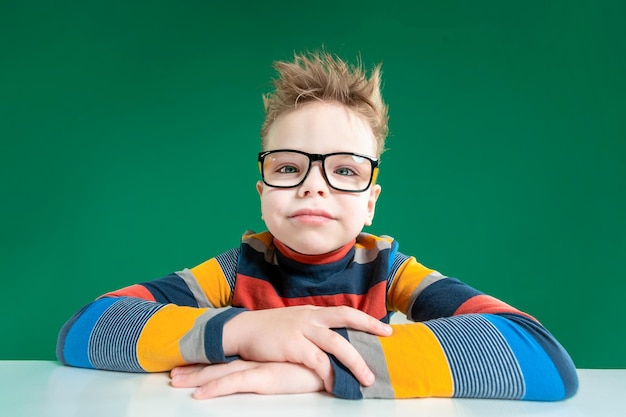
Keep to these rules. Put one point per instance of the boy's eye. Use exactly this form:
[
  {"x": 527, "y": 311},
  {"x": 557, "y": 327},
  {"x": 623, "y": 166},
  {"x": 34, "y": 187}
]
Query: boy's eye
[
  {"x": 288, "y": 169},
  {"x": 345, "y": 171}
]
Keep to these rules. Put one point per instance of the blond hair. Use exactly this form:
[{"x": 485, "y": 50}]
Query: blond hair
[{"x": 322, "y": 76}]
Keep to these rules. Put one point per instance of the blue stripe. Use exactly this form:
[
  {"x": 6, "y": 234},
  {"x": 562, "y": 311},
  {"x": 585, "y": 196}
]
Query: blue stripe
[
  {"x": 76, "y": 344},
  {"x": 543, "y": 380},
  {"x": 113, "y": 343},
  {"x": 481, "y": 361},
  {"x": 171, "y": 289}
]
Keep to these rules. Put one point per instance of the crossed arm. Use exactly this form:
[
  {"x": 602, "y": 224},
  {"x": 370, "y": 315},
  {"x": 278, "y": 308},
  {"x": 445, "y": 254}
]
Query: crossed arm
[
  {"x": 463, "y": 343},
  {"x": 285, "y": 350},
  {"x": 280, "y": 350},
  {"x": 504, "y": 355}
]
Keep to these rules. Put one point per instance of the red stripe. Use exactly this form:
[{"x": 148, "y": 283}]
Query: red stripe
[
  {"x": 324, "y": 258},
  {"x": 137, "y": 291},
  {"x": 485, "y": 304},
  {"x": 257, "y": 294}
]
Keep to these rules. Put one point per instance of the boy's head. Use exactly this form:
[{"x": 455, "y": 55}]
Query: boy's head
[
  {"x": 324, "y": 131},
  {"x": 319, "y": 76}
]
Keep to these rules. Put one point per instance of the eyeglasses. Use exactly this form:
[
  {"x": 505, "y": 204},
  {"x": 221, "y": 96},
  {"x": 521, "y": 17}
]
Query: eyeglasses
[{"x": 343, "y": 171}]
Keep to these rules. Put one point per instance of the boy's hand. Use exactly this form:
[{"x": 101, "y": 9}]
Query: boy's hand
[
  {"x": 245, "y": 376},
  {"x": 302, "y": 335}
]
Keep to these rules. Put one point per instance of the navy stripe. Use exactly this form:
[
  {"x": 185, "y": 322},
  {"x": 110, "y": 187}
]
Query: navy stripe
[
  {"x": 291, "y": 279},
  {"x": 213, "y": 335},
  {"x": 357, "y": 279},
  {"x": 481, "y": 361},
  {"x": 346, "y": 385},
  {"x": 441, "y": 299},
  {"x": 228, "y": 262},
  {"x": 113, "y": 343},
  {"x": 171, "y": 289}
]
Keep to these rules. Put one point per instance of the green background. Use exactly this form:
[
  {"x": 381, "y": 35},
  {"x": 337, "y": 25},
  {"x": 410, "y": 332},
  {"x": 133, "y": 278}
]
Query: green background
[{"x": 129, "y": 132}]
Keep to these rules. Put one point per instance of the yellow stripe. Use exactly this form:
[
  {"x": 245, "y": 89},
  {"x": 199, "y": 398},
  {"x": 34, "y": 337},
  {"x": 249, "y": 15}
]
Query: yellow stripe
[
  {"x": 408, "y": 278},
  {"x": 369, "y": 241},
  {"x": 416, "y": 363},
  {"x": 211, "y": 279},
  {"x": 157, "y": 348},
  {"x": 264, "y": 237}
]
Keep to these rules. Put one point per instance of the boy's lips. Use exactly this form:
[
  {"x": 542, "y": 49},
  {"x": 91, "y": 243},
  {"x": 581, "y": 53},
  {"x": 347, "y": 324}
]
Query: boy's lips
[{"x": 311, "y": 216}]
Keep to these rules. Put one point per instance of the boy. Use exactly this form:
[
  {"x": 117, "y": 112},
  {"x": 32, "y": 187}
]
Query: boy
[{"x": 303, "y": 306}]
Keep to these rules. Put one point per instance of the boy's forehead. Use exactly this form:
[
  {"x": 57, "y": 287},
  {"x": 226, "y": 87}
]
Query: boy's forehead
[{"x": 322, "y": 127}]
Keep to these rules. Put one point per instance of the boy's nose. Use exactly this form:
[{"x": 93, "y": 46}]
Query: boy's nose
[{"x": 315, "y": 182}]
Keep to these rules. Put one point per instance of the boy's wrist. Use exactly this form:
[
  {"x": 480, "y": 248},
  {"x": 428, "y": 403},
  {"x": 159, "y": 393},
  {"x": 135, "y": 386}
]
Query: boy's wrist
[
  {"x": 231, "y": 334},
  {"x": 215, "y": 335}
]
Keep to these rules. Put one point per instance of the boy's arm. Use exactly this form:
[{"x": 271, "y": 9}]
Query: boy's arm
[
  {"x": 154, "y": 326},
  {"x": 181, "y": 319},
  {"x": 464, "y": 344}
]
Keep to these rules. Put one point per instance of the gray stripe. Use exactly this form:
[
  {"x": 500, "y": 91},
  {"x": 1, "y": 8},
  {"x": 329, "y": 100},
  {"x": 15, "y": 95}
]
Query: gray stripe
[
  {"x": 192, "y": 343},
  {"x": 113, "y": 343},
  {"x": 426, "y": 282},
  {"x": 194, "y": 287},
  {"x": 481, "y": 361},
  {"x": 228, "y": 262},
  {"x": 372, "y": 352}
]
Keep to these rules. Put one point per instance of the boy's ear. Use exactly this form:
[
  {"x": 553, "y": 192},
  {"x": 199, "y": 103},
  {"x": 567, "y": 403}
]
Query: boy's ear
[
  {"x": 375, "y": 190},
  {"x": 259, "y": 187}
]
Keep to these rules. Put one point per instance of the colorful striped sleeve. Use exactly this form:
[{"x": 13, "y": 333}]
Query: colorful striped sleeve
[
  {"x": 463, "y": 344},
  {"x": 156, "y": 325}
]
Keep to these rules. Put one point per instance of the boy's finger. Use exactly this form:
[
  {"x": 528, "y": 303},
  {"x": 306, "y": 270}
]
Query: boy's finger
[
  {"x": 331, "y": 342},
  {"x": 316, "y": 359},
  {"x": 268, "y": 378},
  {"x": 207, "y": 373},
  {"x": 243, "y": 381},
  {"x": 184, "y": 370},
  {"x": 338, "y": 317},
  {"x": 229, "y": 384}
]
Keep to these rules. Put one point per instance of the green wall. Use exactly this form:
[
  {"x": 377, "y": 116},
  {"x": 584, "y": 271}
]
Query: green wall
[{"x": 129, "y": 131}]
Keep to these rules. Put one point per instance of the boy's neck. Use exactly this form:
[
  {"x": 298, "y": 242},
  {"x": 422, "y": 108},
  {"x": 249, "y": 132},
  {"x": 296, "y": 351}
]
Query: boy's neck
[{"x": 324, "y": 258}]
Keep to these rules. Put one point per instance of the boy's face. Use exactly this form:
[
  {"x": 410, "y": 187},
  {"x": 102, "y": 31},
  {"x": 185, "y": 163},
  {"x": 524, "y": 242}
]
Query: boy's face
[{"x": 314, "y": 218}]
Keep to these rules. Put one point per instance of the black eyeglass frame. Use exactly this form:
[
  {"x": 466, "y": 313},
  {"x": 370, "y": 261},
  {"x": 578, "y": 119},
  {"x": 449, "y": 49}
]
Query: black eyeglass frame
[{"x": 322, "y": 158}]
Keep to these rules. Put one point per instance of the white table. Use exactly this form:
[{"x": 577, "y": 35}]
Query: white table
[{"x": 45, "y": 389}]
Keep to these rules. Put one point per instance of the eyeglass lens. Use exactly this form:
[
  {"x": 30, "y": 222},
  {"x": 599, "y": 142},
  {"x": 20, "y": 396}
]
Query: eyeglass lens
[{"x": 343, "y": 171}]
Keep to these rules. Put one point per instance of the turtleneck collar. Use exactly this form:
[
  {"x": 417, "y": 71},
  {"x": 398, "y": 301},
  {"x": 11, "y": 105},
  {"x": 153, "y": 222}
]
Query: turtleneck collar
[{"x": 325, "y": 258}]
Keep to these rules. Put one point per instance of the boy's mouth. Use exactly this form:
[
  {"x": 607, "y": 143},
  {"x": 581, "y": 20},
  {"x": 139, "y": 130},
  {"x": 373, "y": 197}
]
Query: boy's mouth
[{"x": 310, "y": 216}]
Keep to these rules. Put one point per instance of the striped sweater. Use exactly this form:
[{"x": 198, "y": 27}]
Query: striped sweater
[{"x": 462, "y": 343}]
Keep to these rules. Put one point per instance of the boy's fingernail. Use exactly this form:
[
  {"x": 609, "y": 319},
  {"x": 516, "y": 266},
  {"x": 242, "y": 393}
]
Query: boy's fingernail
[{"x": 369, "y": 378}]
